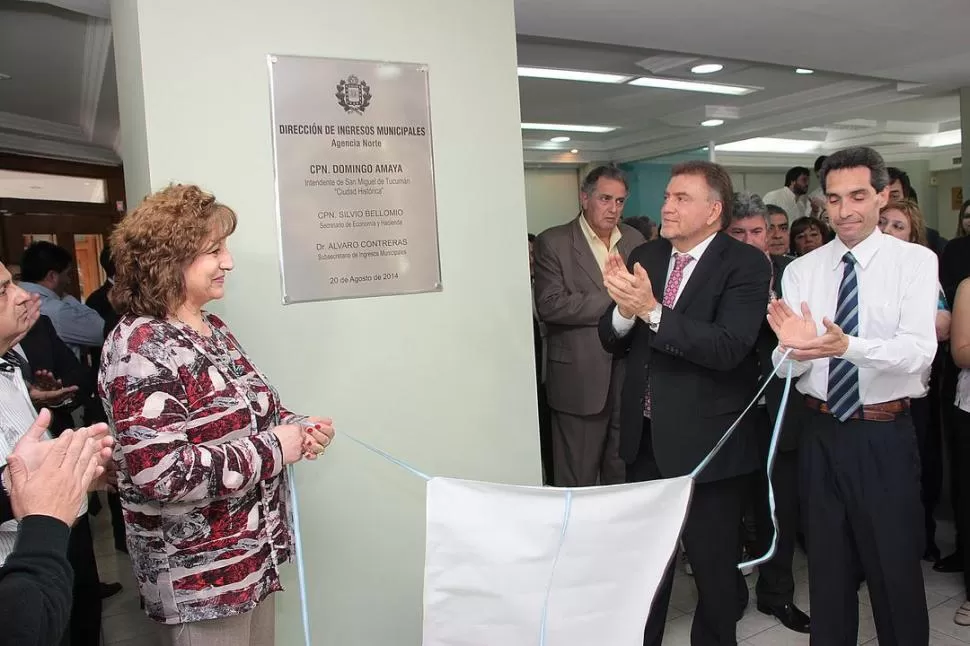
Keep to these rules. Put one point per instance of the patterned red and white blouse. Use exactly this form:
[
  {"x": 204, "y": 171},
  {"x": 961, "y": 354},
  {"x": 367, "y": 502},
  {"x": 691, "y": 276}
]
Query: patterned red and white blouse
[{"x": 201, "y": 478}]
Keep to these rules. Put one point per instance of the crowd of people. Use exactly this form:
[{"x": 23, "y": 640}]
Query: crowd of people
[{"x": 651, "y": 340}]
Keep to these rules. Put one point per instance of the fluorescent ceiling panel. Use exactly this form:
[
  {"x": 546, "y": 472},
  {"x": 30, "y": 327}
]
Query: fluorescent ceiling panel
[
  {"x": 572, "y": 75},
  {"x": 561, "y": 127},
  {"x": 770, "y": 145},
  {"x": 691, "y": 86}
]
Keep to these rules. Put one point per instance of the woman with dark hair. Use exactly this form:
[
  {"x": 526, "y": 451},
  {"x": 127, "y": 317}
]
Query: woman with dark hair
[
  {"x": 807, "y": 234},
  {"x": 963, "y": 221},
  {"x": 203, "y": 439}
]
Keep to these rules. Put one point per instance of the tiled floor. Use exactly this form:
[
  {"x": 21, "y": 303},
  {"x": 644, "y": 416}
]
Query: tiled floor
[{"x": 125, "y": 624}]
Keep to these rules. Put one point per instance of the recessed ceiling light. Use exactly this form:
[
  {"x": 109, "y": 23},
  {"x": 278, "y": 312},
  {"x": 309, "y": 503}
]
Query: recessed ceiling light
[
  {"x": 4, "y": 77},
  {"x": 710, "y": 123},
  {"x": 574, "y": 151},
  {"x": 559, "y": 140},
  {"x": 691, "y": 86},
  {"x": 567, "y": 127},
  {"x": 771, "y": 145},
  {"x": 804, "y": 70},
  {"x": 572, "y": 75},
  {"x": 707, "y": 68}
]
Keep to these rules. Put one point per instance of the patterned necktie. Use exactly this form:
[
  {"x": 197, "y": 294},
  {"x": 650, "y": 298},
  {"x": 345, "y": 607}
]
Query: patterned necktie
[
  {"x": 681, "y": 260},
  {"x": 843, "y": 395}
]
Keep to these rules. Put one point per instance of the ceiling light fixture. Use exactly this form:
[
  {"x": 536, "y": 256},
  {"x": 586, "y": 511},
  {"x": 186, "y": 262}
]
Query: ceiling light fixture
[
  {"x": 572, "y": 75},
  {"x": 707, "y": 68},
  {"x": 804, "y": 70},
  {"x": 691, "y": 86},
  {"x": 941, "y": 139},
  {"x": 574, "y": 151},
  {"x": 559, "y": 140},
  {"x": 770, "y": 145},
  {"x": 710, "y": 123},
  {"x": 567, "y": 127}
]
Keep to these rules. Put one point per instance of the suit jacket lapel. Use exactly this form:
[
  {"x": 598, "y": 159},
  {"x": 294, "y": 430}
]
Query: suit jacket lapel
[
  {"x": 706, "y": 266},
  {"x": 585, "y": 256}
]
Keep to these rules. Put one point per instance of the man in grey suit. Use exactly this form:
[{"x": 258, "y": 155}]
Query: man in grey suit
[{"x": 583, "y": 381}]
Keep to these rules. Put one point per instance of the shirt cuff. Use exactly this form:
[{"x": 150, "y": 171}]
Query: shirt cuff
[
  {"x": 621, "y": 324},
  {"x": 856, "y": 350}
]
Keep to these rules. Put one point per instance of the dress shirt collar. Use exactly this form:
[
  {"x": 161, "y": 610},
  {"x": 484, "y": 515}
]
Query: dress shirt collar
[
  {"x": 698, "y": 249},
  {"x": 863, "y": 252},
  {"x": 615, "y": 234}
]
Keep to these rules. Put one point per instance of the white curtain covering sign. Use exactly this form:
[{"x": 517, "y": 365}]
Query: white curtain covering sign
[{"x": 525, "y": 566}]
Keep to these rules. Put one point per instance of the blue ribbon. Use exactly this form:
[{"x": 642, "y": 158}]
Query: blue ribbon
[
  {"x": 568, "y": 505},
  {"x": 772, "y": 452}
]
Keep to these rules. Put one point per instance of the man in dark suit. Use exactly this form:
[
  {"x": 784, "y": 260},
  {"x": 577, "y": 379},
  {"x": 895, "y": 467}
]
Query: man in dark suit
[
  {"x": 688, "y": 310},
  {"x": 582, "y": 380},
  {"x": 776, "y": 584}
]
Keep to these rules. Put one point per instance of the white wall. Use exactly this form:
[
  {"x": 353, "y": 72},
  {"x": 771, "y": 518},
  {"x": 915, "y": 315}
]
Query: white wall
[
  {"x": 551, "y": 197},
  {"x": 446, "y": 380}
]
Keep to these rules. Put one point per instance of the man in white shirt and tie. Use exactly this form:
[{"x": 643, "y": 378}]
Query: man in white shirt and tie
[{"x": 859, "y": 320}]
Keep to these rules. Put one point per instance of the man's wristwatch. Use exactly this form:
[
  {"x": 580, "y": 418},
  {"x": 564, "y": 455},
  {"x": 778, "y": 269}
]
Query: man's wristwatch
[{"x": 653, "y": 315}]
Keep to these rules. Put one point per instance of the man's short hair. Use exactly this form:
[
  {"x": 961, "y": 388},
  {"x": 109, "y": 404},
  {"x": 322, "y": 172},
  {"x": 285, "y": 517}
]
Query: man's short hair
[
  {"x": 794, "y": 173},
  {"x": 901, "y": 176},
  {"x": 718, "y": 181},
  {"x": 41, "y": 258},
  {"x": 818, "y": 162},
  {"x": 608, "y": 171},
  {"x": 857, "y": 157},
  {"x": 748, "y": 205},
  {"x": 774, "y": 209}
]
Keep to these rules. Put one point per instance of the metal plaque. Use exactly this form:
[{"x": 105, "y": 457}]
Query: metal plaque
[{"x": 355, "y": 195}]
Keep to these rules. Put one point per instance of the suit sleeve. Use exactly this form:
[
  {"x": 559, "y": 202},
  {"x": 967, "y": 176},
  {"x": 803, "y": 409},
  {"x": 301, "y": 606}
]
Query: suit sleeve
[
  {"x": 555, "y": 302},
  {"x": 724, "y": 343},
  {"x": 36, "y": 584},
  {"x": 67, "y": 368}
]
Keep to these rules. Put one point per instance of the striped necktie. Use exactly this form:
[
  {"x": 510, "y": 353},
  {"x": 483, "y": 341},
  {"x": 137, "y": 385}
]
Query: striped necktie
[
  {"x": 843, "y": 395},
  {"x": 12, "y": 360}
]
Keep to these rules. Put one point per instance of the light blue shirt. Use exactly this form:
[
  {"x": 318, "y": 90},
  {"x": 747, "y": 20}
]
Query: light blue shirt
[{"x": 75, "y": 323}]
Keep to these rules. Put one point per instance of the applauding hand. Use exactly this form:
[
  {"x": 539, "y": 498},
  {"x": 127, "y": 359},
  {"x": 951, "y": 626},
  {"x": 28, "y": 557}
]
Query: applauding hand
[
  {"x": 632, "y": 292},
  {"x": 800, "y": 333}
]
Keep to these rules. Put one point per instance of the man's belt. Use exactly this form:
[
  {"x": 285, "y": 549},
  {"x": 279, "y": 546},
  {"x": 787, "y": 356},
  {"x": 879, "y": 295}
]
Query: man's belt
[{"x": 884, "y": 412}]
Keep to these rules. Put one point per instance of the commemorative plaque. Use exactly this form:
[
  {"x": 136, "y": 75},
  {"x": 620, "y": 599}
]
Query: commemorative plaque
[{"x": 355, "y": 194}]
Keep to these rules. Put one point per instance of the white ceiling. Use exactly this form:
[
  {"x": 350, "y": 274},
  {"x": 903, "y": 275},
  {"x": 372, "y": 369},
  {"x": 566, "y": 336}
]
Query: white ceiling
[
  {"x": 886, "y": 71},
  {"x": 61, "y": 99},
  {"x": 894, "y": 64}
]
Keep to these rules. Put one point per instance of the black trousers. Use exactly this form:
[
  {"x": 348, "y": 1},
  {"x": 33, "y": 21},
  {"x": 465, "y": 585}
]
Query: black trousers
[
  {"x": 961, "y": 437},
  {"x": 713, "y": 544},
  {"x": 930, "y": 443},
  {"x": 545, "y": 434},
  {"x": 860, "y": 489},
  {"x": 776, "y": 584},
  {"x": 85, "y": 625}
]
